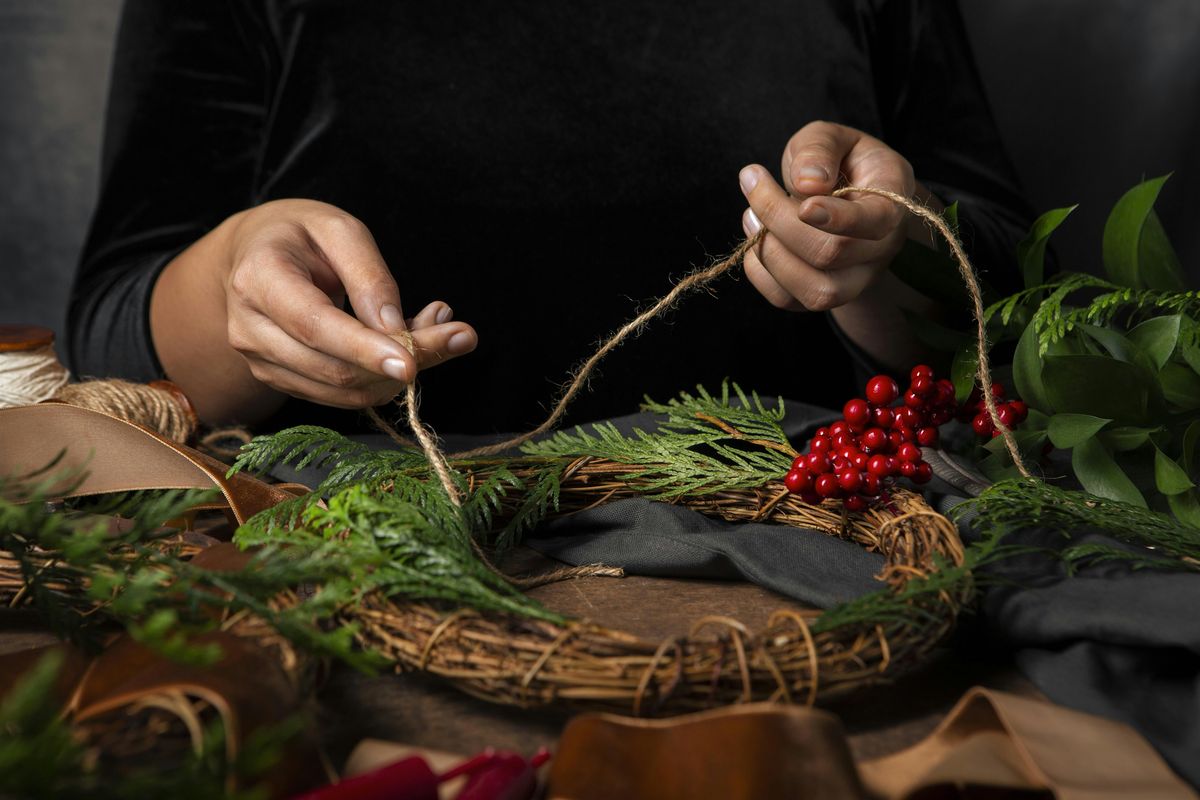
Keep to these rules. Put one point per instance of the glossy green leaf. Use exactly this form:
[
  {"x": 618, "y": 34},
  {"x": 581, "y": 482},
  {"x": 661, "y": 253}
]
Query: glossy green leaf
[
  {"x": 1031, "y": 252},
  {"x": 1118, "y": 345},
  {"x": 1157, "y": 259},
  {"x": 1099, "y": 474},
  {"x": 1157, "y": 337},
  {"x": 1180, "y": 386},
  {"x": 1096, "y": 385},
  {"x": 1027, "y": 371},
  {"x": 1135, "y": 248},
  {"x": 1186, "y": 507},
  {"x": 1068, "y": 430},
  {"x": 963, "y": 371},
  {"x": 1189, "y": 343},
  {"x": 1169, "y": 477},
  {"x": 1191, "y": 438},
  {"x": 1125, "y": 438}
]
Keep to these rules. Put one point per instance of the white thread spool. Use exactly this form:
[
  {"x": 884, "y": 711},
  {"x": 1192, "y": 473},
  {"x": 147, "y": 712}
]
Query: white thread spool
[{"x": 30, "y": 371}]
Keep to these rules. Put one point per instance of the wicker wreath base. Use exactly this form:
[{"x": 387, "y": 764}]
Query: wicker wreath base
[{"x": 717, "y": 661}]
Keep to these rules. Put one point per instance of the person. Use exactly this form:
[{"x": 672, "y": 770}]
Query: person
[{"x": 282, "y": 181}]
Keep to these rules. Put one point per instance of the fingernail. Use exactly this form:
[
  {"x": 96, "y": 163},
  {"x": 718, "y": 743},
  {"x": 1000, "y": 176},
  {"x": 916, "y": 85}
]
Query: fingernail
[
  {"x": 816, "y": 215},
  {"x": 752, "y": 223},
  {"x": 391, "y": 318},
  {"x": 444, "y": 314},
  {"x": 812, "y": 172},
  {"x": 748, "y": 178},
  {"x": 395, "y": 369},
  {"x": 461, "y": 342}
]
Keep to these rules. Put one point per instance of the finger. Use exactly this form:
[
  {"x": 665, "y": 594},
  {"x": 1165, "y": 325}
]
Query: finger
[
  {"x": 780, "y": 214},
  {"x": 259, "y": 338},
  {"x": 815, "y": 289},
  {"x": 437, "y": 344},
  {"x": 305, "y": 388},
  {"x": 812, "y": 160},
  {"x": 284, "y": 293},
  {"x": 767, "y": 286},
  {"x": 349, "y": 249},
  {"x": 435, "y": 313},
  {"x": 867, "y": 216}
]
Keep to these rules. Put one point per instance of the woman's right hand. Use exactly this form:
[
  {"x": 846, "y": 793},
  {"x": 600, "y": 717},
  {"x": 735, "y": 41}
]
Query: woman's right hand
[{"x": 280, "y": 273}]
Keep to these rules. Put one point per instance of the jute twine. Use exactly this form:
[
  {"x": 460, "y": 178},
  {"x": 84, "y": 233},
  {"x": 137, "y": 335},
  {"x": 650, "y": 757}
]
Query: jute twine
[
  {"x": 30, "y": 373},
  {"x": 696, "y": 280}
]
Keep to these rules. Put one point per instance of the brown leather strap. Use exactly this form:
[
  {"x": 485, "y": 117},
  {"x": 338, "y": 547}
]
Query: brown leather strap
[
  {"x": 997, "y": 744},
  {"x": 998, "y": 739},
  {"x": 749, "y": 751},
  {"x": 109, "y": 454}
]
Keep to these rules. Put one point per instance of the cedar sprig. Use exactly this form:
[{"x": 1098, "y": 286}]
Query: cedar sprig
[
  {"x": 1021, "y": 504},
  {"x": 1054, "y": 319}
]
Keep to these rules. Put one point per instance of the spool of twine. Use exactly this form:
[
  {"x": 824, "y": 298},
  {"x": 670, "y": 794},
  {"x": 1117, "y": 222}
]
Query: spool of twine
[{"x": 31, "y": 373}]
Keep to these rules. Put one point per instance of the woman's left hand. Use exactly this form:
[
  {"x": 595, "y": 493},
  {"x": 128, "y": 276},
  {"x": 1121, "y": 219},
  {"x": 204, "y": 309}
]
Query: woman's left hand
[{"x": 822, "y": 252}]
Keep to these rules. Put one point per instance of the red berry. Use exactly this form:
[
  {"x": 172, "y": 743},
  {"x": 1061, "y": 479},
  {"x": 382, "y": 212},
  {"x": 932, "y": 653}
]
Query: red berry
[
  {"x": 883, "y": 417},
  {"x": 800, "y": 462},
  {"x": 940, "y": 417},
  {"x": 923, "y": 387},
  {"x": 893, "y": 465},
  {"x": 838, "y": 427},
  {"x": 882, "y": 390},
  {"x": 859, "y": 461},
  {"x": 906, "y": 434},
  {"x": 855, "y": 503},
  {"x": 811, "y": 497},
  {"x": 839, "y": 463},
  {"x": 913, "y": 400},
  {"x": 856, "y": 427},
  {"x": 856, "y": 410},
  {"x": 908, "y": 468},
  {"x": 874, "y": 438},
  {"x": 850, "y": 480},
  {"x": 895, "y": 439},
  {"x": 818, "y": 463},
  {"x": 920, "y": 371},
  {"x": 848, "y": 453},
  {"x": 827, "y": 486},
  {"x": 844, "y": 440},
  {"x": 927, "y": 437},
  {"x": 1006, "y": 416},
  {"x": 821, "y": 445},
  {"x": 998, "y": 390},
  {"x": 797, "y": 481},
  {"x": 871, "y": 484},
  {"x": 945, "y": 387},
  {"x": 908, "y": 452},
  {"x": 982, "y": 424},
  {"x": 923, "y": 474},
  {"x": 1020, "y": 411},
  {"x": 878, "y": 465},
  {"x": 909, "y": 417}
]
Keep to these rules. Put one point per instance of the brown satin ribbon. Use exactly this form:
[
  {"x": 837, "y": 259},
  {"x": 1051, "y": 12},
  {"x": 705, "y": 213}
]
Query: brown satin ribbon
[
  {"x": 992, "y": 744},
  {"x": 107, "y": 454}
]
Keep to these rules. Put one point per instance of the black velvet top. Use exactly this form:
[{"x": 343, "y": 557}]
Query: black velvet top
[{"x": 544, "y": 167}]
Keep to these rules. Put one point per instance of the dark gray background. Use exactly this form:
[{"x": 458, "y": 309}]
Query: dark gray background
[{"x": 1091, "y": 97}]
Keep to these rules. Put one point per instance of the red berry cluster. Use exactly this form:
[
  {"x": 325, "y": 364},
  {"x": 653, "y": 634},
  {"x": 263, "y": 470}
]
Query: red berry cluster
[
  {"x": 858, "y": 457},
  {"x": 1010, "y": 412}
]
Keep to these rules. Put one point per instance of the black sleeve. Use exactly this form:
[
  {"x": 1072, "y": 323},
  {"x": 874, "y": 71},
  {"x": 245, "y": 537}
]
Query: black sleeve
[
  {"x": 187, "y": 109},
  {"x": 934, "y": 112}
]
